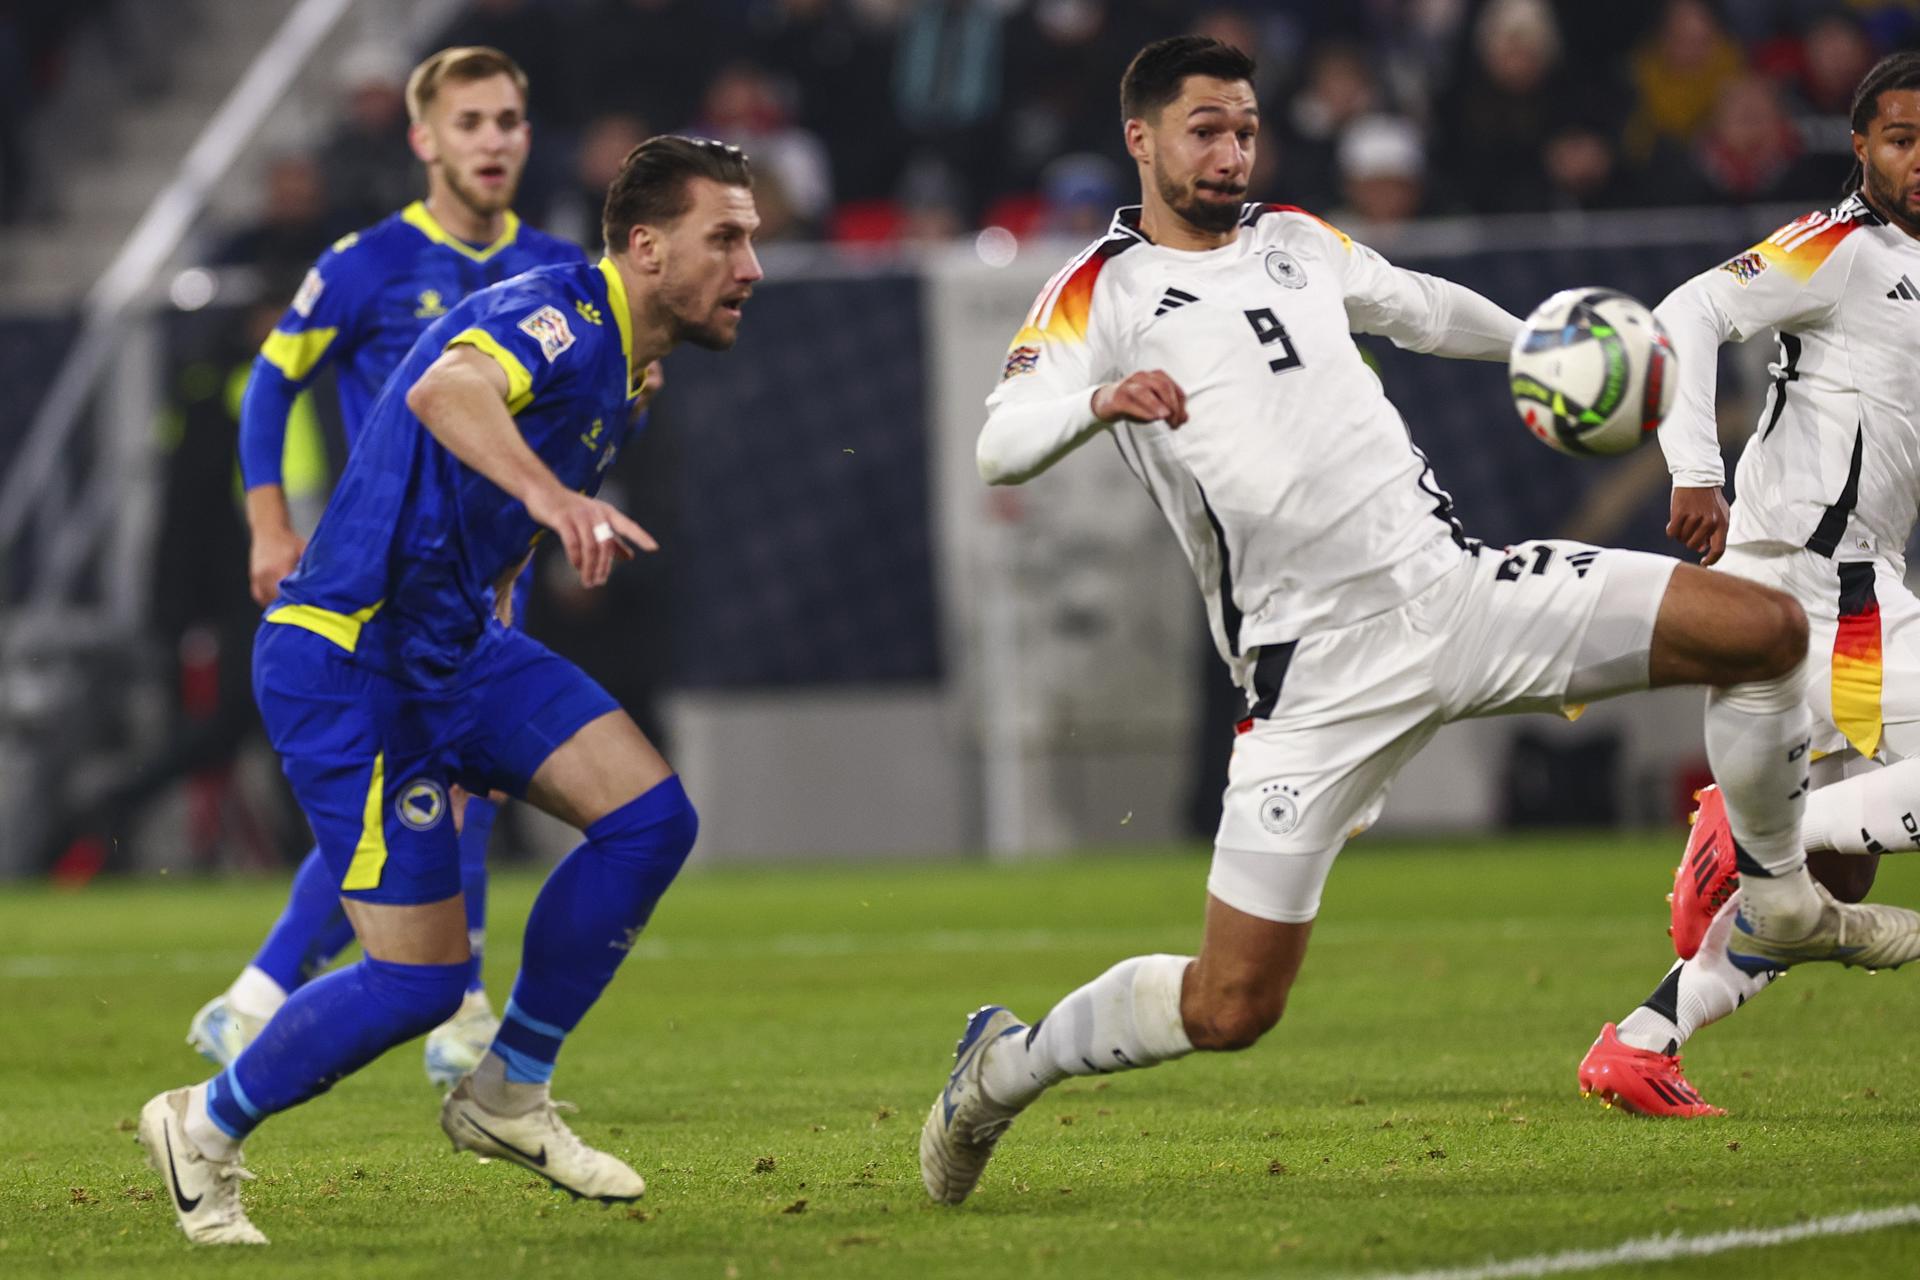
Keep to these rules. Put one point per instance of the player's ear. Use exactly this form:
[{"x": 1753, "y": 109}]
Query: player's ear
[
  {"x": 1860, "y": 150},
  {"x": 421, "y": 140},
  {"x": 645, "y": 246},
  {"x": 1136, "y": 137}
]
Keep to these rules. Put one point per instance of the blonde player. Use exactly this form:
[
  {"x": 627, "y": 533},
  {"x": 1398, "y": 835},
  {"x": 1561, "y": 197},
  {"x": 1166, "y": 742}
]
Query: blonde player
[
  {"x": 1829, "y": 489},
  {"x": 1210, "y": 340}
]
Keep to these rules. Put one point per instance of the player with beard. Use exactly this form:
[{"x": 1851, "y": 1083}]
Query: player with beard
[
  {"x": 1211, "y": 341},
  {"x": 1827, "y": 504},
  {"x": 384, "y": 678},
  {"x": 359, "y": 311}
]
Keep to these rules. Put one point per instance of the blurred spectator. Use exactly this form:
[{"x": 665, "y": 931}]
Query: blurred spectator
[
  {"x": 1078, "y": 194},
  {"x": 649, "y": 58},
  {"x": 294, "y": 224},
  {"x": 1064, "y": 65},
  {"x": 368, "y": 167},
  {"x": 16, "y": 100},
  {"x": 1383, "y": 171},
  {"x": 1751, "y": 151},
  {"x": 1339, "y": 88},
  {"x": 743, "y": 107},
  {"x": 536, "y": 38},
  {"x": 1677, "y": 78},
  {"x": 832, "y": 69},
  {"x": 1583, "y": 170},
  {"x": 1836, "y": 55},
  {"x": 574, "y": 212},
  {"x": 1508, "y": 104}
]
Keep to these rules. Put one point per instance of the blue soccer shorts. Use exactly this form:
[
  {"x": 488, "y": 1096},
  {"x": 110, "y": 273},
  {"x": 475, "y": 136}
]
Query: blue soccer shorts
[{"x": 371, "y": 758}]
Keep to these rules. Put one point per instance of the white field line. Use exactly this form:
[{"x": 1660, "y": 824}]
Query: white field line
[
  {"x": 113, "y": 964},
  {"x": 1671, "y": 1247}
]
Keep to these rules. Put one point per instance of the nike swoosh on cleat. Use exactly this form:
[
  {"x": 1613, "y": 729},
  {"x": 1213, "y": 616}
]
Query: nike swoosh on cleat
[
  {"x": 538, "y": 1161},
  {"x": 173, "y": 1176}
]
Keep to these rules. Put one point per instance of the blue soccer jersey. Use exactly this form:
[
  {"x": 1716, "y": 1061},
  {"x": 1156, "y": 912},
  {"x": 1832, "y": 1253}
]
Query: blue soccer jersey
[
  {"x": 362, "y": 307},
  {"x": 398, "y": 572}
]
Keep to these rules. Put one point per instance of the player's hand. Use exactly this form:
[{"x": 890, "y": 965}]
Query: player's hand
[
  {"x": 274, "y": 553},
  {"x": 1147, "y": 396},
  {"x": 593, "y": 533},
  {"x": 1699, "y": 521}
]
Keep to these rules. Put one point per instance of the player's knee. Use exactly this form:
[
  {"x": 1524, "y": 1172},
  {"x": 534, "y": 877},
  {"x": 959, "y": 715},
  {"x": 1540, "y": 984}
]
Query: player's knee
[
  {"x": 1235, "y": 1020},
  {"x": 1787, "y": 631},
  {"x": 418, "y": 997},
  {"x": 1847, "y": 876},
  {"x": 654, "y": 832}
]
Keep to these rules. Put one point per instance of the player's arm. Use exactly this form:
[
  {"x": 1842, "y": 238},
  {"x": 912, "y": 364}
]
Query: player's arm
[
  {"x": 1057, "y": 392},
  {"x": 1419, "y": 312},
  {"x": 306, "y": 339},
  {"x": 462, "y": 400},
  {"x": 1769, "y": 286}
]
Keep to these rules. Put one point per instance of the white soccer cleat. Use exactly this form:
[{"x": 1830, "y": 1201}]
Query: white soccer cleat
[
  {"x": 206, "y": 1192},
  {"x": 959, "y": 1136},
  {"x": 456, "y": 1046},
  {"x": 219, "y": 1032},
  {"x": 539, "y": 1141},
  {"x": 1864, "y": 935}
]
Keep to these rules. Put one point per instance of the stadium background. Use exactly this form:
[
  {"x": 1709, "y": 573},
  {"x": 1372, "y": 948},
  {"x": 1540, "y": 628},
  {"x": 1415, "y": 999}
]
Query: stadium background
[{"x": 848, "y": 644}]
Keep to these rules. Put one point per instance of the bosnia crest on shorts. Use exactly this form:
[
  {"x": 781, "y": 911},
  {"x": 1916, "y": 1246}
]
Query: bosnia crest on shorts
[{"x": 420, "y": 805}]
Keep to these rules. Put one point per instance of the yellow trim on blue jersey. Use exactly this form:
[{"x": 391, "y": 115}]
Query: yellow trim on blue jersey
[
  {"x": 341, "y": 628},
  {"x": 519, "y": 381},
  {"x": 416, "y": 216},
  {"x": 370, "y": 855},
  {"x": 296, "y": 354},
  {"x": 617, "y": 299}
]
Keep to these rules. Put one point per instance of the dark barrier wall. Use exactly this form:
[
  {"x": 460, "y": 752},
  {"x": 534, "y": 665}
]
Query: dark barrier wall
[{"x": 803, "y": 534}]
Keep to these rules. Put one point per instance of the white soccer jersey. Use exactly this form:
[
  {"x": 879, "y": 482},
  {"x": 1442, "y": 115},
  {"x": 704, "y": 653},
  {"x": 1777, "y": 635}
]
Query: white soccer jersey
[
  {"x": 1294, "y": 489},
  {"x": 1835, "y": 463}
]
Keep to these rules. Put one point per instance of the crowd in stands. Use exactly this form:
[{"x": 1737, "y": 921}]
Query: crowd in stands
[{"x": 910, "y": 120}]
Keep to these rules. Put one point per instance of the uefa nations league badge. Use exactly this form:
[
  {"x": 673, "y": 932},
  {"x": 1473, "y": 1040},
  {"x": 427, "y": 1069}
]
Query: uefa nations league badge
[{"x": 1286, "y": 273}]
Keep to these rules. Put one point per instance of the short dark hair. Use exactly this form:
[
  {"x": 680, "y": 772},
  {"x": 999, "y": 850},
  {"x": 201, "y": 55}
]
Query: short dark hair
[
  {"x": 1154, "y": 77},
  {"x": 1895, "y": 71},
  {"x": 651, "y": 187}
]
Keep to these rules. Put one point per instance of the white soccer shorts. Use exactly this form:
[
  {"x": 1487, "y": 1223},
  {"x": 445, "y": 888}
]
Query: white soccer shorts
[
  {"x": 1541, "y": 626},
  {"x": 1863, "y": 645}
]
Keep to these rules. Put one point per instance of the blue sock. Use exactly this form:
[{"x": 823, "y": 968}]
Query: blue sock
[
  {"x": 586, "y": 919},
  {"x": 328, "y": 1029},
  {"x": 310, "y": 932},
  {"x": 475, "y": 831}
]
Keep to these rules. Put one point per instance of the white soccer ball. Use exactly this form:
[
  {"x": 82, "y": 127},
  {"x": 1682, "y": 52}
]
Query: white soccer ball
[{"x": 1592, "y": 372}]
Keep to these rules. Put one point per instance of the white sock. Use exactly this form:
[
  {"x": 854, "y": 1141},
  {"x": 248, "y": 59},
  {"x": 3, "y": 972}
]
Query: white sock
[
  {"x": 256, "y": 994},
  {"x": 1874, "y": 812},
  {"x": 1127, "y": 1017},
  {"x": 1757, "y": 745},
  {"x": 212, "y": 1140},
  {"x": 492, "y": 1090},
  {"x": 1694, "y": 993}
]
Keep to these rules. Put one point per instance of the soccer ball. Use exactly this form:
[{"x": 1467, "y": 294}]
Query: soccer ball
[{"x": 1592, "y": 372}]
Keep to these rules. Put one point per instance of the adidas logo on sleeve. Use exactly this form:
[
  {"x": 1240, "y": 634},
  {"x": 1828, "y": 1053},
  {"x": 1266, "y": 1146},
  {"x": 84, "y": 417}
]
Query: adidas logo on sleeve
[{"x": 1905, "y": 290}]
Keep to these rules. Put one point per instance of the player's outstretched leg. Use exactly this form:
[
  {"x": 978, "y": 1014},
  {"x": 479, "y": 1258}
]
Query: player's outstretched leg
[
  {"x": 1143, "y": 1011},
  {"x": 329, "y": 1028},
  {"x": 455, "y": 1046},
  {"x": 310, "y": 932},
  {"x": 584, "y": 922},
  {"x": 1749, "y": 642}
]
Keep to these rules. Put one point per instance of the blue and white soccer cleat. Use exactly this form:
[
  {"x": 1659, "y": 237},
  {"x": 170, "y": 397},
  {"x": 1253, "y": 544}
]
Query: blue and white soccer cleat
[
  {"x": 1864, "y": 935},
  {"x": 205, "y": 1192},
  {"x": 456, "y": 1046},
  {"x": 219, "y": 1031},
  {"x": 959, "y": 1136},
  {"x": 539, "y": 1141}
]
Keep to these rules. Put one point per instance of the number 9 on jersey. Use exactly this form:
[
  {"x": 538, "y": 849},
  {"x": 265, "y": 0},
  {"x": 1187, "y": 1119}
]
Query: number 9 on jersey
[{"x": 1592, "y": 372}]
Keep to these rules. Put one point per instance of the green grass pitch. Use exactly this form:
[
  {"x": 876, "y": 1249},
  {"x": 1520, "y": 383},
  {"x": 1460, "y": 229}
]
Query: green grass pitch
[{"x": 766, "y": 1057}]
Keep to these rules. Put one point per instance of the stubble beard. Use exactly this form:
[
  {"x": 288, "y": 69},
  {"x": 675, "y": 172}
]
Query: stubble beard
[
  {"x": 1202, "y": 214},
  {"x": 1890, "y": 203}
]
